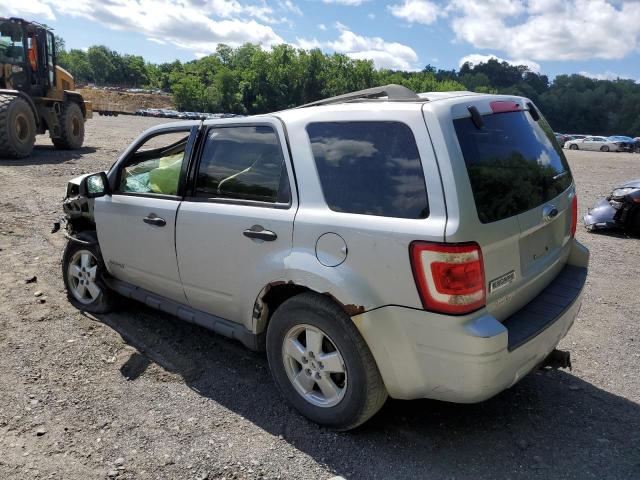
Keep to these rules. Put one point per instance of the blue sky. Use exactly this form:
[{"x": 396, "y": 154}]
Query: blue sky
[{"x": 600, "y": 38}]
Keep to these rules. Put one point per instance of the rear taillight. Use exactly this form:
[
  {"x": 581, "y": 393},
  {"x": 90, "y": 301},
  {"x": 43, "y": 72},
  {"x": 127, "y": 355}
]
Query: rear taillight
[
  {"x": 574, "y": 215},
  {"x": 449, "y": 277}
]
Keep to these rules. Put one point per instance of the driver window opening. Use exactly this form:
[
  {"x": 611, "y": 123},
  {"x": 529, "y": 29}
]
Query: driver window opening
[{"x": 156, "y": 165}]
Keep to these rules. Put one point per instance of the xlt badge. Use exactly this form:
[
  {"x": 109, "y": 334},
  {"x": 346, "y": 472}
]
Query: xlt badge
[{"x": 502, "y": 281}]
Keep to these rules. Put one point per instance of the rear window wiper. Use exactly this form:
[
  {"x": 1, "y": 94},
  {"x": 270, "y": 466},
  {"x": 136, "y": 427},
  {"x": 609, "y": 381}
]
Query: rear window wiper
[{"x": 560, "y": 175}]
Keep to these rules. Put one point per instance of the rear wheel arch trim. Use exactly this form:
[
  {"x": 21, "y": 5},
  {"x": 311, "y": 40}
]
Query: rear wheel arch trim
[{"x": 283, "y": 290}]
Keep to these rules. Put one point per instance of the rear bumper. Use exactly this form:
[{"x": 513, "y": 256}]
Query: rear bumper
[{"x": 466, "y": 360}]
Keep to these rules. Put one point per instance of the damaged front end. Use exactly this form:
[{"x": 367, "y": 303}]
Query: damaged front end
[
  {"x": 78, "y": 209},
  {"x": 620, "y": 209}
]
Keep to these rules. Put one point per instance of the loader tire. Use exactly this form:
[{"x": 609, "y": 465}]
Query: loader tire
[
  {"x": 17, "y": 127},
  {"x": 71, "y": 127}
]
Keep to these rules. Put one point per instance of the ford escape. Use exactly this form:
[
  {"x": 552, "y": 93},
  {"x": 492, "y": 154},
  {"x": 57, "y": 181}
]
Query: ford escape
[{"x": 379, "y": 243}]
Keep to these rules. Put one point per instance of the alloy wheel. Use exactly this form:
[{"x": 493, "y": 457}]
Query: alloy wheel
[
  {"x": 81, "y": 276},
  {"x": 314, "y": 365}
]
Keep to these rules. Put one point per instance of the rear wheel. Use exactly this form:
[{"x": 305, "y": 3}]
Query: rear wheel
[
  {"x": 573, "y": 146},
  {"x": 321, "y": 363},
  {"x": 71, "y": 127},
  {"x": 17, "y": 127},
  {"x": 604, "y": 148}
]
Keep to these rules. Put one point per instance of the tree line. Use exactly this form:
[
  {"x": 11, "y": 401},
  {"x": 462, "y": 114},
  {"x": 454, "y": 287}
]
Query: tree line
[{"x": 250, "y": 80}]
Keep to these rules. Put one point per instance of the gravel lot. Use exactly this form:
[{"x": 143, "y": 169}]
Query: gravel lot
[{"x": 139, "y": 394}]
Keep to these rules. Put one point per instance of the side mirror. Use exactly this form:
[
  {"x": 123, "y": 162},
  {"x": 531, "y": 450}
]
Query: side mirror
[{"x": 95, "y": 185}]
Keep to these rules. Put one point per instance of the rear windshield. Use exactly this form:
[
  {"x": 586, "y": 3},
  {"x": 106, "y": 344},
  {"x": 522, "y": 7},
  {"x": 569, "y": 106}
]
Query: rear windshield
[{"x": 514, "y": 163}]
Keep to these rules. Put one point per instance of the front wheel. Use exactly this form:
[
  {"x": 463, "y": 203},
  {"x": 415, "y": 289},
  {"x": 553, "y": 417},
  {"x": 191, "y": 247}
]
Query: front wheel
[
  {"x": 321, "y": 363},
  {"x": 573, "y": 147},
  {"x": 604, "y": 148},
  {"x": 82, "y": 271}
]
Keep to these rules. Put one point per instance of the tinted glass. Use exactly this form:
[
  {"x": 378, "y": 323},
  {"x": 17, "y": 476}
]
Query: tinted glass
[
  {"x": 514, "y": 163},
  {"x": 243, "y": 163},
  {"x": 371, "y": 168}
]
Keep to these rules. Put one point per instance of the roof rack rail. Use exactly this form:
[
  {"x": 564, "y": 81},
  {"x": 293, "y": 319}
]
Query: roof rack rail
[{"x": 393, "y": 92}]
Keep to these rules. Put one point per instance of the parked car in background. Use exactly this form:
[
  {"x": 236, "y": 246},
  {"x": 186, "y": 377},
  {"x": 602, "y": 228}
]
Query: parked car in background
[
  {"x": 375, "y": 269},
  {"x": 563, "y": 138},
  {"x": 602, "y": 144},
  {"x": 625, "y": 144},
  {"x": 578, "y": 135}
]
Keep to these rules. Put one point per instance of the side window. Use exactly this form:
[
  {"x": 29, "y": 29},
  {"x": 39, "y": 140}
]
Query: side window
[
  {"x": 243, "y": 163},
  {"x": 370, "y": 168},
  {"x": 156, "y": 165}
]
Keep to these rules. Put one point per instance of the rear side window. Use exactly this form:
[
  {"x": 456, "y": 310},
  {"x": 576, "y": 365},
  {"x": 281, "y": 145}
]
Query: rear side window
[
  {"x": 243, "y": 163},
  {"x": 370, "y": 168},
  {"x": 514, "y": 163}
]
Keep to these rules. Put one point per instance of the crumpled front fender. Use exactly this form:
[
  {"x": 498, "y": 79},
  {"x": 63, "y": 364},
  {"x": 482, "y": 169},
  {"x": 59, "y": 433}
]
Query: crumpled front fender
[{"x": 600, "y": 216}]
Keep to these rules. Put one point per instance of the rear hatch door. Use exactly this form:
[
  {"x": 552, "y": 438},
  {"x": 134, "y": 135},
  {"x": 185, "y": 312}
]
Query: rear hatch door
[{"x": 514, "y": 197}]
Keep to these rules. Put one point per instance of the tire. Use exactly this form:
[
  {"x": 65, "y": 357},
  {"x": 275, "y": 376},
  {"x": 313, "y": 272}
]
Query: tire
[
  {"x": 604, "y": 148},
  {"x": 71, "y": 127},
  {"x": 17, "y": 127},
  {"x": 573, "y": 146},
  {"x": 74, "y": 254},
  {"x": 361, "y": 389},
  {"x": 633, "y": 223}
]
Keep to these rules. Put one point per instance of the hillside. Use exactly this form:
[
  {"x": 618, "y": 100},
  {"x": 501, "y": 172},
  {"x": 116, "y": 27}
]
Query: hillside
[{"x": 124, "y": 101}]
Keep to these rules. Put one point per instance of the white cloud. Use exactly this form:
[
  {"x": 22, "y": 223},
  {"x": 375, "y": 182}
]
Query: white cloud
[
  {"x": 307, "y": 44},
  {"x": 549, "y": 29},
  {"x": 291, "y": 7},
  {"x": 417, "y": 11},
  {"x": 27, "y": 9},
  {"x": 476, "y": 58},
  {"x": 348, "y": 3},
  {"x": 384, "y": 54},
  {"x": 185, "y": 23},
  {"x": 608, "y": 75},
  {"x": 322, "y": 26}
]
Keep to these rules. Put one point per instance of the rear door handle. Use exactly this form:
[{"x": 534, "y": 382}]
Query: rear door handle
[
  {"x": 257, "y": 232},
  {"x": 153, "y": 219}
]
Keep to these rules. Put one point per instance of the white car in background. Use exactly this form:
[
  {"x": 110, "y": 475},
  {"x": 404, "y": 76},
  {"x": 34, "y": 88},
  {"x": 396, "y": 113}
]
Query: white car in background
[{"x": 602, "y": 144}]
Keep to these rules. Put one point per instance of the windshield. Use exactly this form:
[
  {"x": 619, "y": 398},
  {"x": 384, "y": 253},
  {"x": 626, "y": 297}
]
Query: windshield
[
  {"x": 514, "y": 163},
  {"x": 11, "y": 48}
]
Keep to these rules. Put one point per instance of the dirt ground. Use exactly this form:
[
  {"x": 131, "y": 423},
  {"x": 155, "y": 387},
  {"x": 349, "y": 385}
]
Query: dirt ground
[
  {"x": 124, "y": 101},
  {"x": 139, "y": 394}
]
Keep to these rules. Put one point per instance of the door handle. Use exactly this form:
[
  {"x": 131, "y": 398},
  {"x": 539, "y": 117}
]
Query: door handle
[
  {"x": 257, "y": 232},
  {"x": 153, "y": 219}
]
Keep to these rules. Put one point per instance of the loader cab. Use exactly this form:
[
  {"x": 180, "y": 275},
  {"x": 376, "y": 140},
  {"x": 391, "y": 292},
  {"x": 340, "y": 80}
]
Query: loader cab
[{"x": 27, "y": 57}]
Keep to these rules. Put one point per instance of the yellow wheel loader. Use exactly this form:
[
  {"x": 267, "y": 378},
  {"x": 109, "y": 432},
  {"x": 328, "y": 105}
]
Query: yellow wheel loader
[{"x": 36, "y": 95}]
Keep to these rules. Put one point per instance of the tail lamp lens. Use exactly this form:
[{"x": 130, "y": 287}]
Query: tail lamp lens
[
  {"x": 449, "y": 277},
  {"x": 574, "y": 215}
]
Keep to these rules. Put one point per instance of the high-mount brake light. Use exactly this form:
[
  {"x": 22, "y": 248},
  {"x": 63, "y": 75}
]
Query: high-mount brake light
[
  {"x": 449, "y": 277},
  {"x": 502, "y": 106},
  {"x": 574, "y": 215}
]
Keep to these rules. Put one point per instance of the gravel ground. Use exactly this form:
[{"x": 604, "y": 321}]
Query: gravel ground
[{"x": 138, "y": 394}]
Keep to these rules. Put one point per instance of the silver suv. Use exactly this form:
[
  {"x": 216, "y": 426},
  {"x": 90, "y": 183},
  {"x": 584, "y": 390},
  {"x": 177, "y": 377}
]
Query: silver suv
[{"x": 380, "y": 243}]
